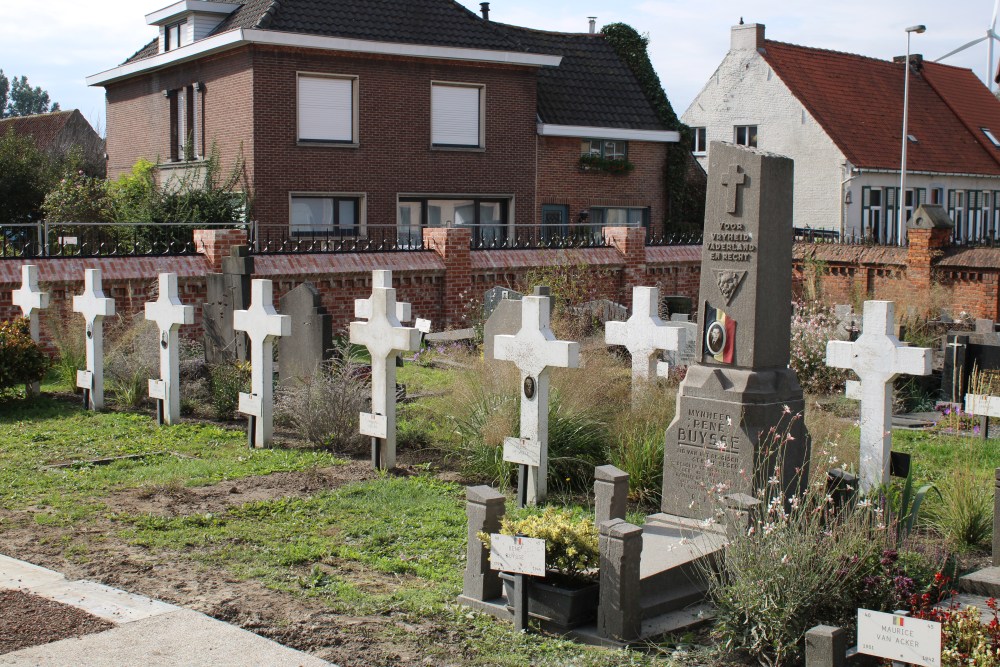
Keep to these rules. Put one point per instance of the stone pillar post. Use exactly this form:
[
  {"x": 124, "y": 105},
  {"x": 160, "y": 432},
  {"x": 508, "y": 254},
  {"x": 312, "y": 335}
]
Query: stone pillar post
[
  {"x": 826, "y": 646},
  {"x": 216, "y": 244},
  {"x": 619, "y": 615},
  {"x": 484, "y": 507},
  {"x": 631, "y": 243},
  {"x": 453, "y": 245},
  {"x": 610, "y": 494},
  {"x": 929, "y": 231},
  {"x": 996, "y": 521}
]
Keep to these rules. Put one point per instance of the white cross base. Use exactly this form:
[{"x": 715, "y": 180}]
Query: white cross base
[
  {"x": 169, "y": 314},
  {"x": 535, "y": 350},
  {"x": 644, "y": 335},
  {"x": 94, "y": 307},
  {"x": 262, "y": 324},
  {"x": 878, "y": 358},
  {"x": 384, "y": 337}
]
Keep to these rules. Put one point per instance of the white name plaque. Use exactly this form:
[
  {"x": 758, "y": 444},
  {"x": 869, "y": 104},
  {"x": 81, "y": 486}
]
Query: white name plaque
[
  {"x": 899, "y": 638},
  {"x": 522, "y": 450},
  {"x": 520, "y": 555},
  {"x": 374, "y": 426}
]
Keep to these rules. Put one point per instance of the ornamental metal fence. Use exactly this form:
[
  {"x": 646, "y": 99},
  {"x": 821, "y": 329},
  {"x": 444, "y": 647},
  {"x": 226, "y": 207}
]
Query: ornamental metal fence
[{"x": 102, "y": 239}]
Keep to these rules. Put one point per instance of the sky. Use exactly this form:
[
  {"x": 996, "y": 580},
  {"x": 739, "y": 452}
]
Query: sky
[{"x": 58, "y": 43}]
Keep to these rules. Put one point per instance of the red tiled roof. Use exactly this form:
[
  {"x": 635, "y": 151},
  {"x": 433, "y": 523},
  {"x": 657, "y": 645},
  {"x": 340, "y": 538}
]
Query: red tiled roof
[
  {"x": 859, "y": 103},
  {"x": 45, "y": 127}
]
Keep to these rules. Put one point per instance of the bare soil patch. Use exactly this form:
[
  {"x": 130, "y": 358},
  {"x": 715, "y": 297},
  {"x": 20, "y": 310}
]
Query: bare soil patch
[{"x": 29, "y": 620}]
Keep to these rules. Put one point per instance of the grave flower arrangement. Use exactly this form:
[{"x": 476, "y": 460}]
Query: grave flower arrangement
[{"x": 571, "y": 551}]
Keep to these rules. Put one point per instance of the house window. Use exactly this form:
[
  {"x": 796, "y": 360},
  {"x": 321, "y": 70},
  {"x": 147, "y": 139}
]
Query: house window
[
  {"x": 745, "y": 135},
  {"x": 327, "y": 109},
  {"x": 700, "y": 135},
  {"x": 956, "y": 211},
  {"x": 937, "y": 196},
  {"x": 487, "y": 217},
  {"x": 992, "y": 137},
  {"x": 974, "y": 215},
  {"x": 918, "y": 195},
  {"x": 872, "y": 215},
  {"x": 610, "y": 149},
  {"x": 457, "y": 115},
  {"x": 333, "y": 215},
  {"x": 185, "y": 124},
  {"x": 619, "y": 217},
  {"x": 994, "y": 224},
  {"x": 172, "y": 36}
]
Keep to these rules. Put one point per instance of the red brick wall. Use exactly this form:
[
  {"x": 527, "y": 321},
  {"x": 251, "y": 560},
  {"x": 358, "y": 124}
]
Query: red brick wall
[
  {"x": 139, "y": 114},
  {"x": 561, "y": 182},
  {"x": 394, "y": 156}
]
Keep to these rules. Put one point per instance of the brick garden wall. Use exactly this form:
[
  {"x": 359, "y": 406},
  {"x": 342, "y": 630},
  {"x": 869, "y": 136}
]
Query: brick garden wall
[{"x": 441, "y": 282}]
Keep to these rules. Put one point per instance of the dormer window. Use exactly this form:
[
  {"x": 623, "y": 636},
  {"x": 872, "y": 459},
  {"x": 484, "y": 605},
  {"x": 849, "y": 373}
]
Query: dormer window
[
  {"x": 172, "y": 36},
  {"x": 992, "y": 137}
]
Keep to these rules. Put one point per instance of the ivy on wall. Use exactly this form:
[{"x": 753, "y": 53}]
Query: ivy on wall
[{"x": 685, "y": 192}]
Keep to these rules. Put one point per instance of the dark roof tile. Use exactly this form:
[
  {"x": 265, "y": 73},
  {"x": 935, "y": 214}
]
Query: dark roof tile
[{"x": 44, "y": 128}]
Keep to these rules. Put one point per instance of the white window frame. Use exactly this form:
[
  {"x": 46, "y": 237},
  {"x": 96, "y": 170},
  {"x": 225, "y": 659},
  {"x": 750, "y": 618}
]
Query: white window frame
[
  {"x": 353, "y": 142},
  {"x": 362, "y": 197},
  {"x": 482, "y": 117},
  {"x": 756, "y": 134},
  {"x": 700, "y": 147}
]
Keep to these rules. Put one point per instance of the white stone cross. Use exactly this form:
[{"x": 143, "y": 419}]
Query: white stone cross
[
  {"x": 535, "y": 350},
  {"x": 363, "y": 307},
  {"x": 94, "y": 307},
  {"x": 262, "y": 324},
  {"x": 878, "y": 358},
  {"x": 644, "y": 335},
  {"x": 30, "y": 299},
  {"x": 384, "y": 337},
  {"x": 169, "y": 314}
]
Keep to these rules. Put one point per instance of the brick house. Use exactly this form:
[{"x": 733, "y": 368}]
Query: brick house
[
  {"x": 839, "y": 115},
  {"x": 358, "y": 117},
  {"x": 60, "y": 132}
]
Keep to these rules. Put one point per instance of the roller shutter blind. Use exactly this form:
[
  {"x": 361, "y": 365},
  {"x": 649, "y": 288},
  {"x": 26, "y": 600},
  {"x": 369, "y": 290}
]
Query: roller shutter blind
[
  {"x": 455, "y": 115},
  {"x": 326, "y": 109}
]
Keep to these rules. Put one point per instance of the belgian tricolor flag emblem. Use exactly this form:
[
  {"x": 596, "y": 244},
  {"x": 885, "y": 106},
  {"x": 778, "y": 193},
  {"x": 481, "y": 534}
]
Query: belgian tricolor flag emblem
[{"x": 720, "y": 335}]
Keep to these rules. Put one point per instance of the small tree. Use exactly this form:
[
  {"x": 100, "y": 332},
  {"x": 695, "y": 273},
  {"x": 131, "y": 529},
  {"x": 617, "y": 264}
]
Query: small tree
[
  {"x": 18, "y": 98},
  {"x": 26, "y": 175}
]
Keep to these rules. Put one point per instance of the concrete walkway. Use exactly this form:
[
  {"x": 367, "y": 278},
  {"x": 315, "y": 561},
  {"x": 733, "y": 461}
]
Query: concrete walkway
[{"x": 147, "y": 632}]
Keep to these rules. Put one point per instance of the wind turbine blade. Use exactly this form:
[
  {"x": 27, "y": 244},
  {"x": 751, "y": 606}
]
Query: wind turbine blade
[
  {"x": 961, "y": 48},
  {"x": 993, "y": 24}
]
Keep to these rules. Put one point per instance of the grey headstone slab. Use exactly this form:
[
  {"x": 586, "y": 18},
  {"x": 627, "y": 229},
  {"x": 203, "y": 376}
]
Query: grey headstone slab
[
  {"x": 603, "y": 310},
  {"x": 495, "y": 295},
  {"x": 309, "y": 345},
  {"x": 505, "y": 321}
]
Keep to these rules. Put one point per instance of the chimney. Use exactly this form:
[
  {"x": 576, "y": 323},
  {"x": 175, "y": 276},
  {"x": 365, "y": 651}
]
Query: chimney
[
  {"x": 747, "y": 37},
  {"x": 916, "y": 61},
  {"x": 593, "y": 24},
  {"x": 484, "y": 9}
]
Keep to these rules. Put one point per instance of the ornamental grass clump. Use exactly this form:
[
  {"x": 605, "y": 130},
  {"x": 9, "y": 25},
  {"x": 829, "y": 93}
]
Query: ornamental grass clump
[{"x": 571, "y": 547}]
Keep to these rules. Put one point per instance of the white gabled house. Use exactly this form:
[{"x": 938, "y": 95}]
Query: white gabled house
[{"x": 839, "y": 116}]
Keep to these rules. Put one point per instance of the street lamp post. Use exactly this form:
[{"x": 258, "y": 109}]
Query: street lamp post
[{"x": 906, "y": 109}]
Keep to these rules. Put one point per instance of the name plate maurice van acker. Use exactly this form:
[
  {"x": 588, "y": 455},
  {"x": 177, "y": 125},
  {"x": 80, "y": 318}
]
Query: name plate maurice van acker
[{"x": 900, "y": 638}]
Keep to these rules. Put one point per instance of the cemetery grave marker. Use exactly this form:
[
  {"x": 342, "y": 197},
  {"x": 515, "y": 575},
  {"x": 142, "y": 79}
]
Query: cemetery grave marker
[
  {"x": 169, "y": 314},
  {"x": 227, "y": 292},
  {"x": 740, "y": 385},
  {"x": 878, "y": 358},
  {"x": 30, "y": 299},
  {"x": 899, "y": 637},
  {"x": 311, "y": 340},
  {"x": 262, "y": 324},
  {"x": 385, "y": 338},
  {"x": 523, "y": 557},
  {"x": 644, "y": 335},
  {"x": 535, "y": 350},
  {"x": 94, "y": 307}
]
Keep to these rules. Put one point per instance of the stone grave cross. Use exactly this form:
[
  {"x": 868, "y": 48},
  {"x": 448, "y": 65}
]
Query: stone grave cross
[
  {"x": 644, "y": 335},
  {"x": 384, "y": 337},
  {"x": 169, "y": 314},
  {"x": 878, "y": 358},
  {"x": 94, "y": 307},
  {"x": 535, "y": 350},
  {"x": 262, "y": 324},
  {"x": 30, "y": 300},
  {"x": 732, "y": 179}
]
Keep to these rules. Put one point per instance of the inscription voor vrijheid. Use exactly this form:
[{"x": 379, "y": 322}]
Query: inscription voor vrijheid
[
  {"x": 732, "y": 244},
  {"x": 708, "y": 439}
]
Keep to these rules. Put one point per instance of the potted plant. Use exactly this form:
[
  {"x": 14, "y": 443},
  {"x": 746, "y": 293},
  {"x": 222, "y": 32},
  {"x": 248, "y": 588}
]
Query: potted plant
[{"x": 568, "y": 595}]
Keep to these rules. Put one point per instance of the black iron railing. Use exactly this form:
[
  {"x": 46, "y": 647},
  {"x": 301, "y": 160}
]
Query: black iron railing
[
  {"x": 528, "y": 237},
  {"x": 102, "y": 239},
  {"x": 673, "y": 239},
  {"x": 820, "y": 236},
  {"x": 284, "y": 239}
]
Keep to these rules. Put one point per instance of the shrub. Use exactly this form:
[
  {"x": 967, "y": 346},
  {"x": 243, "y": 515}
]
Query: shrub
[
  {"x": 26, "y": 174},
  {"x": 226, "y": 381},
  {"x": 133, "y": 358},
  {"x": 22, "y": 361},
  {"x": 325, "y": 409},
  {"x": 78, "y": 198},
  {"x": 571, "y": 547},
  {"x": 965, "y": 514},
  {"x": 965, "y": 638},
  {"x": 636, "y": 444},
  {"x": 813, "y": 325}
]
